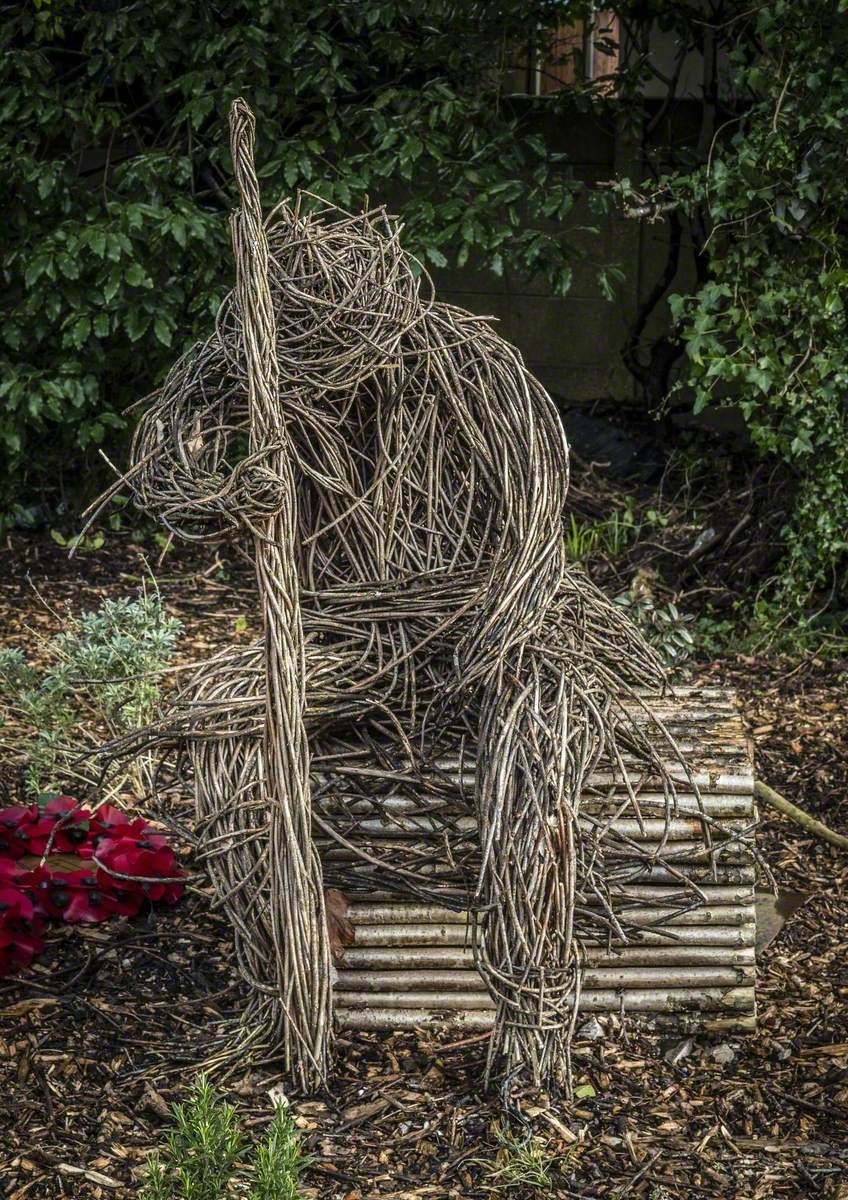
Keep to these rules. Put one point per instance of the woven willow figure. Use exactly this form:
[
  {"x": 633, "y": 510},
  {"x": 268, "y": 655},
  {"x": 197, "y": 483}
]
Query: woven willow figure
[{"x": 435, "y": 683}]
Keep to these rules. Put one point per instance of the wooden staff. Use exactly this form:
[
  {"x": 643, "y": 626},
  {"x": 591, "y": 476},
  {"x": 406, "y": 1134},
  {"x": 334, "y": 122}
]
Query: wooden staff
[{"x": 300, "y": 972}]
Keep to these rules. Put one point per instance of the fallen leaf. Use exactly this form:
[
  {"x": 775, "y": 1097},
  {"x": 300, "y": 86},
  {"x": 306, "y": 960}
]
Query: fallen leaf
[{"x": 340, "y": 929}]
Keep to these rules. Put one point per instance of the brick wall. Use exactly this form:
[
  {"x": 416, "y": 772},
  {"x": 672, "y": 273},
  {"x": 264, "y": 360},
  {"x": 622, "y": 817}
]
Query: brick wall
[{"x": 573, "y": 344}]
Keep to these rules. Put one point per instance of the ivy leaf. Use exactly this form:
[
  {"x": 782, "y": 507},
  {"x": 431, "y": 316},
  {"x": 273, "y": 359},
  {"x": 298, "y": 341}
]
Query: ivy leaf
[
  {"x": 111, "y": 287},
  {"x": 136, "y": 323},
  {"x": 136, "y": 276},
  {"x": 162, "y": 329},
  {"x": 79, "y": 331}
]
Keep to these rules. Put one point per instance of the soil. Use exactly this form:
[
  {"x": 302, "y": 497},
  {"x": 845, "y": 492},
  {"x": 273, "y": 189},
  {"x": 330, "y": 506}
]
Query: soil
[{"x": 111, "y": 1024}]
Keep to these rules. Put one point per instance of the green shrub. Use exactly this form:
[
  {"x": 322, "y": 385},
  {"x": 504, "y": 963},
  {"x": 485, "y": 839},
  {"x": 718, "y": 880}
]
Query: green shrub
[
  {"x": 279, "y": 1161},
  {"x": 207, "y": 1156},
  {"x": 609, "y": 537},
  {"x": 754, "y": 623},
  {"x": 528, "y": 1163},
  {"x": 662, "y": 625},
  {"x": 767, "y": 329},
  {"x": 102, "y": 676},
  {"x": 116, "y": 187}
]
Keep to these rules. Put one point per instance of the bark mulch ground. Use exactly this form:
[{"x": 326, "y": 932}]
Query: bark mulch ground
[{"x": 110, "y": 1025}]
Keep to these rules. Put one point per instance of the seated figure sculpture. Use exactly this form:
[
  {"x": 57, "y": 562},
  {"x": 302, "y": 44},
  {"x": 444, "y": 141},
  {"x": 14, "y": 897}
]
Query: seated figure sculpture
[{"x": 399, "y": 479}]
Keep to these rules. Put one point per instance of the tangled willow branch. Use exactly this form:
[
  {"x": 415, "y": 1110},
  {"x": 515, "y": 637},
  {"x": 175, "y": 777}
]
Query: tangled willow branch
[{"x": 436, "y": 684}]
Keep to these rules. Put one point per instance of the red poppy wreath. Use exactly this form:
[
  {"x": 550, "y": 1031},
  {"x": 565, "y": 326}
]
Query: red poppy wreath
[{"x": 60, "y": 860}]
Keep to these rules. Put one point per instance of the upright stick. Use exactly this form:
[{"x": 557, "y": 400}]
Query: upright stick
[{"x": 299, "y": 977}]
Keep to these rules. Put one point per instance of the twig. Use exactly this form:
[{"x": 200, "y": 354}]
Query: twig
[{"x": 817, "y": 828}]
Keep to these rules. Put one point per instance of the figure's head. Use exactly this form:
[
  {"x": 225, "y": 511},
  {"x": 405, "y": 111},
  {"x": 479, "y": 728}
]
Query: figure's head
[{"x": 418, "y": 440}]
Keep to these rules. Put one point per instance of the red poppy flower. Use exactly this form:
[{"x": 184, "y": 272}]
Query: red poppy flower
[
  {"x": 19, "y": 946},
  {"x": 50, "y": 894},
  {"x": 15, "y": 904},
  {"x": 64, "y": 894},
  {"x": 20, "y": 929},
  {"x": 119, "y": 900},
  {"x": 107, "y": 821},
  {"x": 81, "y": 896},
  {"x": 147, "y": 859},
  {"x": 72, "y": 834},
  {"x": 16, "y": 824},
  {"x": 89, "y": 893},
  {"x": 26, "y": 879},
  {"x": 9, "y": 871}
]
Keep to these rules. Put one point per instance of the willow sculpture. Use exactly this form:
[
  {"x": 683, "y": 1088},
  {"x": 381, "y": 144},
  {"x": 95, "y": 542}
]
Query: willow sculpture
[{"x": 399, "y": 479}]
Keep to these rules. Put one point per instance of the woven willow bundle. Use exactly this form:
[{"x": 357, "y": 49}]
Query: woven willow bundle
[{"x": 401, "y": 479}]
